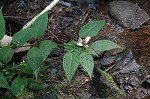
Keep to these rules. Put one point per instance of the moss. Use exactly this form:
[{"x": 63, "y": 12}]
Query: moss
[{"x": 114, "y": 88}]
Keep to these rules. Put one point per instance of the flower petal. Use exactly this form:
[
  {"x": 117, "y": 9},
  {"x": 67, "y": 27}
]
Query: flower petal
[
  {"x": 87, "y": 39},
  {"x": 80, "y": 40},
  {"x": 79, "y": 44},
  {"x": 87, "y": 46}
]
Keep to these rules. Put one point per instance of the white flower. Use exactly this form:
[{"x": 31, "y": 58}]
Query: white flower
[
  {"x": 83, "y": 42},
  {"x": 87, "y": 39}
]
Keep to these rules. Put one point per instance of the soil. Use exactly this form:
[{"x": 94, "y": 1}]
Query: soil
[{"x": 64, "y": 24}]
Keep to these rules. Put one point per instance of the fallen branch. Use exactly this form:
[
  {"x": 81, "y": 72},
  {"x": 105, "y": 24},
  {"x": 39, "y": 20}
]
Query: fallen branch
[
  {"x": 49, "y": 7},
  {"x": 7, "y": 39}
]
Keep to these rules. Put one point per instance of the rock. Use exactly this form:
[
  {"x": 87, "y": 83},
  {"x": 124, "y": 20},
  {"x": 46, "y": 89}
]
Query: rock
[
  {"x": 131, "y": 68},
  {"x": 134, "y": 81},
  {"x": 35, "y": 6},
  {"x": 128, "y": 14},
  {"x": 84, "y": 95},
  {"x": 134, "y": 67},
  {"x": 126, "y": 63},
  {"x": 48, "y": 96},
  {"x": 107, "y": 61},
  {"x": 116, "y": 51},
  {"x": 145, "y": 91},
  {"x": 146, "y": 83},
  {"x": 55, "y": 52},
  {"x": 105, "y": 86}
]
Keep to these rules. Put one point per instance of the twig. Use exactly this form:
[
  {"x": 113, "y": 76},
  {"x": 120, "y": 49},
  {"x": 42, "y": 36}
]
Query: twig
[
  {"x": 49, "y": 7},
  {"x": 106, "y": 70},
  {"x": 85, "y": 17}
]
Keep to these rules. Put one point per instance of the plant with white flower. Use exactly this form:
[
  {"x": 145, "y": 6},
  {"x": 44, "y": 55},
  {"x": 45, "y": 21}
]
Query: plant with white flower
[
  {"x": 83, "y": 42},
  {"x": 80, "y": 53}
]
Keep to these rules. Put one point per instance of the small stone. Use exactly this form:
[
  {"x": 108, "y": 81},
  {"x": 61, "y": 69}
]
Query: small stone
[
  {"x": 134, "y": 81},
  {"x": 126, "y": 87},
  {"x": 84, "y": 95},
  {"x": 146, "y": 83},
  {"x": 131, "y": 68},
  {"x": 48, "y": 96},
  {"x": 56, "y": 52},
  {"x": 107, "y": 61},
  {"x": 134, "y": 67},
  {"x": 68, "y": 10},
  {"x": 70, "y": 19},
  {"x": 145, "y": 91},
  {"x": 34, "y": 6}
]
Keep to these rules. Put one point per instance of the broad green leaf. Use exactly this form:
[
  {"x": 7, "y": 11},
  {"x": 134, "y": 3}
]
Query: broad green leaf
[
  {"x": 46, "y": 47},
  {"x": 2, "y": 25},
  {"x": 35, "y": 59},
  {"x": 24, "y": 80},
  {"x": 3, "y": 82},
  {"x": 39, "y": 26},
  {"x": 91, "y": 29},
  {"x": 17, "y": 86},
  {"x": 86, "y": 61},
  {"x": 104, "y": 45},
  {"x": 27, "y": 69},
  {"x": 92, "y": 52},
  {"x": 22, "y": 36},
  {"x": 70, "y": 63},
  {"x": 5, "y": 54},
  {"x": 72, "y": 46},
  {"x": 39, "y": 86}
]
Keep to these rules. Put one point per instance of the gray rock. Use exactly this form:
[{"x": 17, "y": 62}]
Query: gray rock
[
  {"x": 134, "y": 81},
  {"x": 116, "y": 51},
  {"x": 131, "y": 68},
  {"x": 128, "y": 14},
  {"x": 84, "y": 95},
  {"x": 48, "y": 96},
  {"x": 146, "y": 83},
  {"x": 107, "y": 61}
]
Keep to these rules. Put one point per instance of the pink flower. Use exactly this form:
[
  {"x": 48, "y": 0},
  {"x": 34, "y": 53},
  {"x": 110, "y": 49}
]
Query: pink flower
[{"x": 83, "y": 42}]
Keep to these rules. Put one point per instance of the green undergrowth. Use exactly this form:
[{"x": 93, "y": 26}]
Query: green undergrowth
[{"x": 20, "y": 79}]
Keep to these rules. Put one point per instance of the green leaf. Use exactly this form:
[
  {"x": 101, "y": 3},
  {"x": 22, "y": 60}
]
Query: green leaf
[
  {"x": 24, "y": 80},
  {"x": 39, "y": 86},
  {"x": 70, "y": 63},
  {"x": 39, "y": 26},
  {"x": 2, "y": 25},
  {"x": 72, "y": 46},
  {"x": 86, "y": 61},
  {"x": 46, "y": 47},
  {"x": 17, "y": 86},
  {"x": 5, "y": 54},
  {"x": 3, "y": 82},
  {"x": 104, "y": 45},
  {"x": 92, "y": 52},
  {"x": 91, "y": 29},
  {"x": 22, "y": 36},
  {"x": 35, "y": 59},
  {"x": 27, "y": 69}
]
